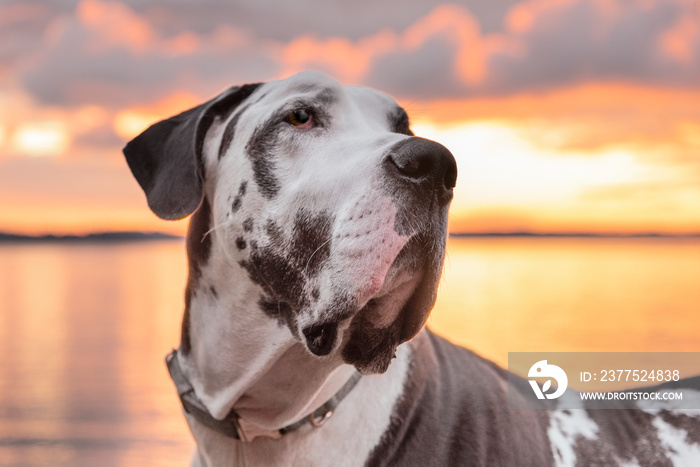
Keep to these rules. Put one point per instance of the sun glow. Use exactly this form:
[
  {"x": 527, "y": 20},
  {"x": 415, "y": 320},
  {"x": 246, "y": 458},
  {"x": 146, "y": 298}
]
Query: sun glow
[
  {"x": 507, "y": 183},
  {"x": 41, "y": 139},
  {"x": 129, "y": 123},
  {"x": 498, "y": 165}
]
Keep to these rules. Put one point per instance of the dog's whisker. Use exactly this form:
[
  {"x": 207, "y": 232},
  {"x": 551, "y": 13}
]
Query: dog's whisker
[
  {"x": 224, "y": 245},
  {"x": 306, "y": 268}
]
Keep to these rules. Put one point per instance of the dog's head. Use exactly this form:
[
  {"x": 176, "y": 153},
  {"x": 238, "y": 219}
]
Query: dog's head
[{"x": 324, "y": 199}]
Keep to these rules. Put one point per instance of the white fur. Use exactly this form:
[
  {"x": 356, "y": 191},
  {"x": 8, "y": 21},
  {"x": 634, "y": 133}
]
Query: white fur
[
  {"x": 681, "y": 452},
  {"x": 565, "y": 427}
]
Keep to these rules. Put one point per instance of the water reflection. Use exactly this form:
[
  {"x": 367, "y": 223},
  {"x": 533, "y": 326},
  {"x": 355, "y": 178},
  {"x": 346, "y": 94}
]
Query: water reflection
[
  {"x": 570, "y": 295},
  {"x": 83, "y": 332},
  {"x": 84, "y": 329}
]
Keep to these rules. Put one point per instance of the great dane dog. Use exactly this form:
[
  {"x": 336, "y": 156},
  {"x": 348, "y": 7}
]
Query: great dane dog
[{"x": 315, "y": 247}]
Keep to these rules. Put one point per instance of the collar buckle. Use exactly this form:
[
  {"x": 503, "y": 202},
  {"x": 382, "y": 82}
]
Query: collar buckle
[{"x": 317, "y": 421}]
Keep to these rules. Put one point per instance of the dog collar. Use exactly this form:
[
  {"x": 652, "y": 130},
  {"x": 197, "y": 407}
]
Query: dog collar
[{"x": 233, "y": 425}]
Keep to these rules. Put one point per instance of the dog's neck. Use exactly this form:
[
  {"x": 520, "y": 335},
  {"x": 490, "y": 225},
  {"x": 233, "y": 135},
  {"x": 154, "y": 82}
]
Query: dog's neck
[
  {"x": 348, "y": 437},
  {"x": 240, "y": 360}
]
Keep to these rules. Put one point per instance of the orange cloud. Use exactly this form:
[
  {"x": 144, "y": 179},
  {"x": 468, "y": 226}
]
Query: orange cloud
[
  {"x": 587, "y": 116},
  {"x": 458, "y": 27},
  {"x": 680, "y": 41},
  {"x": 346, "y": 60},
  {"x": 128, "y": 123},
  {"x": 19, "y": 12},
  {"x": 117, "y": 24},
  {"x": 86, "y": 119},
  {"x": 183, "y": 44},
  {"x": 523, "y": 17},
  {"x": 351, "y": 61}
]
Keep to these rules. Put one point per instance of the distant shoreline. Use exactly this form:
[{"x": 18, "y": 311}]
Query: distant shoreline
[
  {"x": 112, "y": 237},
  {"x": 571, "y": 235},
  {"x": 101, "y": 237}
]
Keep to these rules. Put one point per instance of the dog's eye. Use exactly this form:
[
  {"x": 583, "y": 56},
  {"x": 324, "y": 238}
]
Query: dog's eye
[{"x": 300, "y": 119}]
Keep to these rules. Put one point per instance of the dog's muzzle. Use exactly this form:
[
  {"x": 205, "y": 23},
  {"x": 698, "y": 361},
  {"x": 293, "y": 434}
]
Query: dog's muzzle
[{"x": 419, "y": 177}]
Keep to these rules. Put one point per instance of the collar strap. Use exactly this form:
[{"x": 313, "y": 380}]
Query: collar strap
[{"x": 233, "y": 425}]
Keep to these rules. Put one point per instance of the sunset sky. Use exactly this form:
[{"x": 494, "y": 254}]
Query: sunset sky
[{"x": 564, "y": 115}]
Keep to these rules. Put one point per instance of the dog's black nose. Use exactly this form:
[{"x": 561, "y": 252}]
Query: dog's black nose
[
  {"x": 419, "y": 160},
  {"x": 320, "y": 338}
]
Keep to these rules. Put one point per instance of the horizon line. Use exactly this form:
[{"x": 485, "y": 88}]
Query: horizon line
[
  {"x": 115, "y": 236},
  {"x": 577, "y": 234}
]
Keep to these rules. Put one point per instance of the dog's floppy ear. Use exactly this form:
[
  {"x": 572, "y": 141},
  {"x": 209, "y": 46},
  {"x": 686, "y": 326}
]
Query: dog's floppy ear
[{"x": 166, "y": 158}]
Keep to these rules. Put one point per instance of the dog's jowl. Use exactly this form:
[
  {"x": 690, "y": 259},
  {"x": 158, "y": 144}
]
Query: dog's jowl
[{"x": 315, "y": 247}]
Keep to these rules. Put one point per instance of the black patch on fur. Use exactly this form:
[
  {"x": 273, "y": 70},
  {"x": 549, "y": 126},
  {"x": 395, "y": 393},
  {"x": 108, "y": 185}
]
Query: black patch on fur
[
  {"x": 275, "y": 233},
  {"x": 260, "y": 150},
  {"x": 236, "y": 205},
  {"x": 263, "y": 173},
  {"x": 284, "y": 267},
  {"x": 225, "y": 107},
  {"x": 248, "y": 224},
  {"x": 311, "y": 243},
  {"x": 185, "y": 343},
  {"x": 589, "y": 452},
  {"x": 369, "y": 348},
  {"x": 399, "y": 122},
  {"x": 240, "y": 243},
  {"x": 238, "y": 200},
  {"x": 280, "y": 281},
  {"x": 630, "y": 434},
  {"x": 198, "y": 252},
  {"x": 683, "y": 422},
  {"x": 198, "y": 240},
  {"x": 212, "y": 291},
  {"x": 280, "y": 311},
  {"x": 230, "y": 130}
]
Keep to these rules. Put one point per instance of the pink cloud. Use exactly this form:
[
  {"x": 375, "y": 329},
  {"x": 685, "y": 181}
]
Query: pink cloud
[
  {"x": 681, "y": 42},
  {"x": 114, "y": 24}
]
